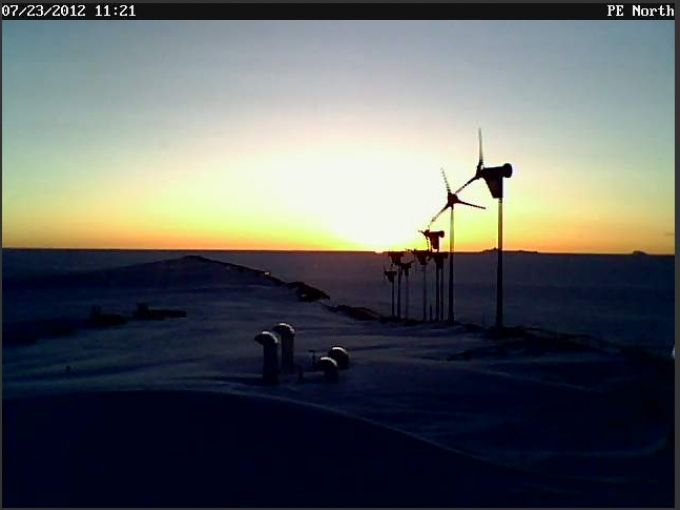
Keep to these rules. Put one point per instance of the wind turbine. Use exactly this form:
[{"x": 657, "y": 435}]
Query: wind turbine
[
  {"x": 493, "y": 176},
  {"x": 438, "y": 257},
  {"x": 396, "y": 256},
  {"x": 432, "y": 237},
  {"x": 422, "y": 257},
  {"x": 390, "y": 274},
  {"x": 451, "y": 201},
  {"x": 405, "y": 267}
]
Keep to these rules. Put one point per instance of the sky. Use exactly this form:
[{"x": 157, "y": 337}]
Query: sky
[{"x": 330, "y": 135}]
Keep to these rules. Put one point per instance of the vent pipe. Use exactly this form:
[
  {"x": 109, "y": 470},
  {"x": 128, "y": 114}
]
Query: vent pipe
[
  {"x": 340, "y": 355},
  {"x": 329, "y": 367},
  {"x": 287, "y": 334},
  {"x": 270, "y": 356}
]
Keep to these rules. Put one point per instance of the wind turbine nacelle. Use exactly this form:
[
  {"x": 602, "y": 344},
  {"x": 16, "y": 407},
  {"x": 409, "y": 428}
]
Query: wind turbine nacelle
[
  {"x": 405, "y": 267},
  {"x": 439, "y": 259},
  {"x": 434, "y": 238},
  {"x": 494, "y": 178},
  {"x": 422, "y": 256},
  {"x": 395, "y": 256},
  {"x": 496, "y": 172}
]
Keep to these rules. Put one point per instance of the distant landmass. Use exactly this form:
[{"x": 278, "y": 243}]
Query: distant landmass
[
  {"x": 494, "y": 250},
  {"x": 635, "y": 253}
]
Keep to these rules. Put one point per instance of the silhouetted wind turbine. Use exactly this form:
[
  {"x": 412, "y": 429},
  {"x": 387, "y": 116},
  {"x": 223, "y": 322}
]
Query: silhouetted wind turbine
[
  {"x": 390, "y": 274},
  {"x": 422, "y": 256},
  {"x": 396, "y": 256},
  {"x": 433, "y": 240},
  {"x": 439, "y": 258},
  {"x": 493, "y": 176},
  {"x": 451, "y": 201},
  {"x": 405, "y": 267}
]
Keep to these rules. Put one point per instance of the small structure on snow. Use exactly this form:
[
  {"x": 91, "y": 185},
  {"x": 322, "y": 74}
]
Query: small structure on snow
[
  {"x": 329, "y": 367},
  {"x": 270, "y": 356},
  {"x": 287, "y": 334},
  {"x": 340, "y": 355}
]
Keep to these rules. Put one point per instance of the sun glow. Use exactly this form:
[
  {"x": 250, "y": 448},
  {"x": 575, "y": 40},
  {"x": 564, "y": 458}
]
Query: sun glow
[{"x": 367, "y": 200}]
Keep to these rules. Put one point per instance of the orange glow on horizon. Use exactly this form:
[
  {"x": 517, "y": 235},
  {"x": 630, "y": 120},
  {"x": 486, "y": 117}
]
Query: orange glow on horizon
[
  {"x": 186, "y": 241},
  {"x": 348, "y": 196}
]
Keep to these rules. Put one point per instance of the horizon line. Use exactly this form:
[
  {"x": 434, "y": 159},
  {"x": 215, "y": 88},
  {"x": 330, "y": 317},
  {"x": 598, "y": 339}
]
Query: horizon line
[{"x": 310, "y": 250}]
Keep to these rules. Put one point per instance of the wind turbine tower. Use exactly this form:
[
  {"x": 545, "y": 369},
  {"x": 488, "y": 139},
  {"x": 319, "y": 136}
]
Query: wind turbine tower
[
  {"x": 494, "y": 176},
  {"x": 451, "y": 201}
]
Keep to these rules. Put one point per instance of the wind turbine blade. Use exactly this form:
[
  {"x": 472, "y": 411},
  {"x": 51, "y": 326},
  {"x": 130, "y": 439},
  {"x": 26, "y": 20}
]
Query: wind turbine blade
[
  {"x": 446, "y": 181},
  {"x": 481, "y": 152},
  {"x": 464, "y": 185},
  {"x": 438, "y": 215},
  {"x": 471, "y": 205}
]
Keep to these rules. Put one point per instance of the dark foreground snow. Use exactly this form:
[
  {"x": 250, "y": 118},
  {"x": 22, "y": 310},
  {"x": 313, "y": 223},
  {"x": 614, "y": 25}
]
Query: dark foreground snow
[{"x": 172, "y": 412}]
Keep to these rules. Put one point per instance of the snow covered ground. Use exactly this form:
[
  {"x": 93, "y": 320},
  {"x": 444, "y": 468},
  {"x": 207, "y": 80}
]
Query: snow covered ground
[
  {"x": 627, "y": 299},
  {"x": 536, "y": 419}
]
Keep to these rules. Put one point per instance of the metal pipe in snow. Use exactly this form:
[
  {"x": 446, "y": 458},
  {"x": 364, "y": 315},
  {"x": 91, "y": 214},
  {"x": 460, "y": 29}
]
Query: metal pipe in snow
[
  {"x": 499, "y": 270},
  {"x": 287, "y": 334},
  {"x": 270, "y": 356}
]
